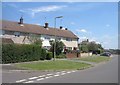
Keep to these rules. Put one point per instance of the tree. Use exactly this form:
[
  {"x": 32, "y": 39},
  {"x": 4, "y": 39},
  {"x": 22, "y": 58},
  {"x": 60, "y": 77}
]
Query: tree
[
  {"x": 58, "y": 47},
  {"x": 86, "y": 46},
  {"x": 83, "y": 48},
  {"x": 92, "y": 47},
  {"x": 35, "y": 39}
]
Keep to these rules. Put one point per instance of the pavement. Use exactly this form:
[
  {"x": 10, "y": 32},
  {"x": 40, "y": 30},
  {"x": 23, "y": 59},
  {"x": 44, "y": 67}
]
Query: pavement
[{"x": 106, "y": 72}]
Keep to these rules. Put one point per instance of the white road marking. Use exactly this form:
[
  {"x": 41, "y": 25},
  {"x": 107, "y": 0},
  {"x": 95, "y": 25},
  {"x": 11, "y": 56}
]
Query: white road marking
[
  {"x": 57, "y": 72},
  {"x": 42, "y": 76},
  {"x": 45, "y": 77},
  {"x": 49, "y": 74},
  {"x": 73, "y": 71},
  {"x": 20, "y": 80},
  {"x": 33, "y": 78},
  {"x": 63, "y": 73},
  {"x": 40, "y": 79},
  {"x": 29, "y": 81},
  {"x": 48, "y": 77},
  {"x": 56, "y": 75},
  {"x": 68, "y": 72}
]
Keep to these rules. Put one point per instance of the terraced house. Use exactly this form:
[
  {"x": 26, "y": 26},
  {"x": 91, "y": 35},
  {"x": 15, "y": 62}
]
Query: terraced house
[{"x": 19, "y": 32}]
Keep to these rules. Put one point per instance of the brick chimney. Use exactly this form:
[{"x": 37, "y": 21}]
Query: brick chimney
[
  {"x": 21, "y": 21},
  {"x": 46, "y": 25}
]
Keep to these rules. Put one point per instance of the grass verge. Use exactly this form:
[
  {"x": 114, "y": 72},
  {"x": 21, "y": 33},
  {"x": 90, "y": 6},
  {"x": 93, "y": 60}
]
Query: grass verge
[
  {"x": 96, "y": 59},
  {"x": 54, "y": 65}
]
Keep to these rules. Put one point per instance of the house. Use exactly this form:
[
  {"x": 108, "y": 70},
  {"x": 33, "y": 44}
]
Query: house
[{"x": 20, "y": 33}]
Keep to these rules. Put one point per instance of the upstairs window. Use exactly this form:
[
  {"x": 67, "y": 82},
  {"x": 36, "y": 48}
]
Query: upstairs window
[
  {"x": 17, "y": 34},
  {"x": 68, "y": 39},
  {"x": 2, "y": 32},
  {"x": 47, "y": 38}
]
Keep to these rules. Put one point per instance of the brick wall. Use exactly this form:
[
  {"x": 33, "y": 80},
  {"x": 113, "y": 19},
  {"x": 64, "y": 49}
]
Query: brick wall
[{"x": 72, "y": 55}]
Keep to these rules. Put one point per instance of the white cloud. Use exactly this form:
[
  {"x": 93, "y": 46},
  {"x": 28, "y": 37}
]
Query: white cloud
[
  {"x": 82, "y": 30},
  {"x": 50, "y": 8}
]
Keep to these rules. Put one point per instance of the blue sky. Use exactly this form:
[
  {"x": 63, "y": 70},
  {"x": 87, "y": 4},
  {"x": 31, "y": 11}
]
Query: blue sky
[{"x": 96, "y": 21}]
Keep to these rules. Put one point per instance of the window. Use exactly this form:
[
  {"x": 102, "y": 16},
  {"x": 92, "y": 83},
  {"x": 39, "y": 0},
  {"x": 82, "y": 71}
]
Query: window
[
  {"x": 17, "y": 34},
  {"x": 2, "y": 32},
  {"x": 68, "y": 39},
  {"x": 58, "y": 38},
  {"x": 47, "y": 38}
]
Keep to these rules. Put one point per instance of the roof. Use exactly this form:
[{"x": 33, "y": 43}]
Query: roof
[
  {"x": 7, "y": 41},
  {"x": 36, "y": 29}
]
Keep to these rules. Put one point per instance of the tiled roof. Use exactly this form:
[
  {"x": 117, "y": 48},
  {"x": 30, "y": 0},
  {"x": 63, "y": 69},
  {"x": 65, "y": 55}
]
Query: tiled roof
[{"x": 37, "y": 29}]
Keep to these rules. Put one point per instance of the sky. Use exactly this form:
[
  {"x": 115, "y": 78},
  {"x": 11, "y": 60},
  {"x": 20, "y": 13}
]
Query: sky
[{"x": 96, "y": 21}]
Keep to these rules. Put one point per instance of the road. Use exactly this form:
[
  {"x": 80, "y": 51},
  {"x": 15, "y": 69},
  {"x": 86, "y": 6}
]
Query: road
[{"x": 102, "y": 73}]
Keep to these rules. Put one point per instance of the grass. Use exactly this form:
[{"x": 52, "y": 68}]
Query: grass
[
  {"x": 54, "y": 65},
  {"x": 96, "y": 59}
]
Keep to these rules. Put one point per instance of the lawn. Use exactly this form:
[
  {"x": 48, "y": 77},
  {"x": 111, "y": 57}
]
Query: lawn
[
  {"x": 96, "y": 59},
  {"x": 54, "y": 65}
]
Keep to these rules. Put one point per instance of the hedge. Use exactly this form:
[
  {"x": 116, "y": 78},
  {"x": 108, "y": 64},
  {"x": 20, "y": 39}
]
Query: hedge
[
  {"x": 13, "y": 53},
  {"x": 49, "y": 56}
]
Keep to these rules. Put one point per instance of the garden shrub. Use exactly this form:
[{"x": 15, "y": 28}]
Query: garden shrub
[
  {"x": 49, "y": 56},
  {"x": 61, "y": 56},
  {"x": 13, "y": 53}
]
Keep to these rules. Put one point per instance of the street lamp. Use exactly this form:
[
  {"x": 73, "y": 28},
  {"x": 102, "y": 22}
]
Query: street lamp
[{"x": 55, "y": 37}]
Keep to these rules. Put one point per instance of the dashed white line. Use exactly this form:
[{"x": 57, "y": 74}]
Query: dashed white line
[
  {"x": 33, "y": 78},
  {"x": 68, "y": 72},
  {"x": 45, "y": 77},
  {"x": 58, "y": 72},
  {"x": 42, "y": 76},
  {"x": 29, "y": 81},
  {"x": 63, "y": 73},
  {"x": 49, "y": 74},
  {"x": 73, "y": 71},
  {"x": 20, "y": 80},
  {"x": 56, "y": 75},
  {"x": 40, "y": 79}
]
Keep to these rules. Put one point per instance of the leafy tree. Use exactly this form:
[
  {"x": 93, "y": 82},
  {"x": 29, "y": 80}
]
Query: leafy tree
[
  {"x": 35, "y": 39},
  {"x": 92, "y": 46},
  {"x": 58, "y": 47},
  {"x": 84, "y": 48}
]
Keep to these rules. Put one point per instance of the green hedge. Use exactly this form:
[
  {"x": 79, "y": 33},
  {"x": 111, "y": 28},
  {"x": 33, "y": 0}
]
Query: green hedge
[
  {"x": 61, "y": 56},
  {"x": 49, "y": 56},
  {"x": 13, "y": 53}
]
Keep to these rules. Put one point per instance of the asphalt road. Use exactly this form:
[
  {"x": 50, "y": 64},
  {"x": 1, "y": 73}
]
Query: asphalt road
[{"x": 102, "y": 73}]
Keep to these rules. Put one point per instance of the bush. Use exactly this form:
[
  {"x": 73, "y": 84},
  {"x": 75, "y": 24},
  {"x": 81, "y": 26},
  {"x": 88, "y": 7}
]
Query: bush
[
  {"x": 13, "y": 53},
  {"x": 61, "y": 56},
  {"x": 49, "y": 56}
]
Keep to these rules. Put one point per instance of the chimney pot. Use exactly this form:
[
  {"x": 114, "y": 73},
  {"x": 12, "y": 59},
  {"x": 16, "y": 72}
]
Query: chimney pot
[
  {"x": 61, "y": 27},
  {"x": 21, "y": 21},
  {"x": 66, "y": 29},
  {"x": 46, "y": 25}
]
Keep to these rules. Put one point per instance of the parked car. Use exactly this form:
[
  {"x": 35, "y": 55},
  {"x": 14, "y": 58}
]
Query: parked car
[{"x": 108, "y": 54}]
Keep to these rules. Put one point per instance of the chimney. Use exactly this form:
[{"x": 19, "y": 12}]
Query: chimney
[
  {"x": 21, "y": 21},
  {"x": 87, "y": 40},
  {"x": 66, "y": 29},
  {"x": 46, "y": 25},
  {"x": 61, "y": 27}
]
